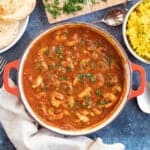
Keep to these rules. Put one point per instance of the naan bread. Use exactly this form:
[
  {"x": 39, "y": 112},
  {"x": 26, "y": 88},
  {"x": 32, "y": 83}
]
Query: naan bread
[
  {"x": 8, "y": 32},
  {"x": 16, "y": 9}
]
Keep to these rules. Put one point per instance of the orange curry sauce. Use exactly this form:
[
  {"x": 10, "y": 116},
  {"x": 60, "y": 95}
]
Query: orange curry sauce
[{"x": 72, "y": 78}]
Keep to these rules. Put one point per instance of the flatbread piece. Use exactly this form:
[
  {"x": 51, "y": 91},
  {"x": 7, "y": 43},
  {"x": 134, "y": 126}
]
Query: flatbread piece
[
  {"x": 16, "y": 9},
  {"x": 8, "y": 32}
]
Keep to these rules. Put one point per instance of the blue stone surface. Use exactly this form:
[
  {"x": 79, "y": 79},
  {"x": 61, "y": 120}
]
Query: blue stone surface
[{"x": 131, "y": 127}]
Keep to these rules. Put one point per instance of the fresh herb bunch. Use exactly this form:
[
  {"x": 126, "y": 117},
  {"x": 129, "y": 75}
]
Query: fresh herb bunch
[
  {"x": 72, "y": 6},
  {"x": 69, "y": 6},
  {"x": 53, "y": 8}
]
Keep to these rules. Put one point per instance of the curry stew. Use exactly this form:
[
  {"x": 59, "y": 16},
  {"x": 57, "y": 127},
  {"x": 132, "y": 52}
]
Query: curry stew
[{"x": 73, "y": 77}]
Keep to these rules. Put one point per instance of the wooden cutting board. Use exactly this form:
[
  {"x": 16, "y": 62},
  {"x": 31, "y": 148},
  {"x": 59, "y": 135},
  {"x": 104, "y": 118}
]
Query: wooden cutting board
[{"x": 86, "y": 9}]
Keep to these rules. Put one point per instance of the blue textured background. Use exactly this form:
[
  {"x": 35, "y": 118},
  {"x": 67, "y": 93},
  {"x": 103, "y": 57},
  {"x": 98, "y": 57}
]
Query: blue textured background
[{"x": 132, "y": 127}]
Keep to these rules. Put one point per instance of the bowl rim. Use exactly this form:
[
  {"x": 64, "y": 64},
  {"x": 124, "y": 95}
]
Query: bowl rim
[
  {"x": 22, "y": 28},
  {"x": 91, "y": 129},
  {"x": 124, "y": 27}
]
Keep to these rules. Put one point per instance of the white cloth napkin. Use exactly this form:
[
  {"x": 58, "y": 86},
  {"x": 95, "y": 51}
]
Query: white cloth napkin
[{"x": 25, "y": 134}]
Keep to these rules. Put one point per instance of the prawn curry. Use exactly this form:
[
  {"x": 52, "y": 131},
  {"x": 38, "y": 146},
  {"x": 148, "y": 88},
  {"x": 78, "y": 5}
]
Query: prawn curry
[{"x": 73, "y": 78}]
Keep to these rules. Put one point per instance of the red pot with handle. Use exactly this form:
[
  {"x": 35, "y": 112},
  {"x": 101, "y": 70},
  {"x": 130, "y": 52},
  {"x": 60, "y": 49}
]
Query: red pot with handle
[{"x": 128, "y": 92}]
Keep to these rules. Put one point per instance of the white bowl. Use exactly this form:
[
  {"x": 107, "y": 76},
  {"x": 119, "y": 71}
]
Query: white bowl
[
  {"x": 126, "y": 38},
  {"x": 22, "y": 27}
]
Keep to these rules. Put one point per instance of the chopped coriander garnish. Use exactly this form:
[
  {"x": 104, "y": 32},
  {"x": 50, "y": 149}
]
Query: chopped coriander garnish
[
  {"x": 93, "y": 1},
  {"x": 54, "y": 8},
  {"x": 92, "y": 78},
  {"x": 102, "y": 102},
  {"x": 109, "y": 84},
  {"x": 50, "y": 66},
  {"x": 65, "y": 33},
  {"x": 58, "y": 50},
  {"x": 68, "y": 69},
  {"x": 71, "y": 6},
  {"x": 77, "y": 104},
  {"x": 63, "y": 77},
  {"x": 110, "y": 59},
  {"x": 86, "y": 102},
  {"x": 98, "y": 92},
  {"x": 92, "y": 65},
  {"x": 58, "y": 65},
  {"x": 46, "y": 52},
  {"x": 56, "y": 2},
  {"x": 89, "y": 76}
]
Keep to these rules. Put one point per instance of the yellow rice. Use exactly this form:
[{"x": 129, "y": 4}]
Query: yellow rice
[{"x": 138, "y": 29}]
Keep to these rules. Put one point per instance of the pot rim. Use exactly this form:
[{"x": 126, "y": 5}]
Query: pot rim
[{"x": 113, "y": 114}]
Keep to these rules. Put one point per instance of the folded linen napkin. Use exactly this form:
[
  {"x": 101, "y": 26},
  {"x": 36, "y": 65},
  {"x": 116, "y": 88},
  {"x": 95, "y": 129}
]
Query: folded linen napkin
[{"x": 25, "y": 134}]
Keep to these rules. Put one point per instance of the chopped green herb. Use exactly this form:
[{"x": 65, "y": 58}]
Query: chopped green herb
[
  {"x": 46, "y": 52},
  {"x": 98, "y": 92},
  {"x": 92, "y": 65},
  {"x": 83, "y": 63},
  {"x": 53, "y": 9},
  {"x": 56, "y": 2},
  {"x": 70, "y": 7},
  {"x": 65, "y": 33},
  {"x": 63, "y": 77},
  {"x": 89, "y": 76},
  {"x": 68, "y": 69},
  {"x": 87, "y": 101},
  {"x": 81, "y": 76},
  {"x": 50, "y": 66},
  {"x": 102, "y": 102},
  {"x": 58, "y": 50},
  {"x": 77, "y": 104},
  {"x": 69, "y": 105},
  {"x": 58, "y": 65},
  {"x": 109, "y": 84},
  {"x": 92, "y": 78},
  {"x": 96, "y": 44},
  {"x": 110, "y": 59},
  {"x": 93, "y": 1},
  {"x": 44, "y": 89}
]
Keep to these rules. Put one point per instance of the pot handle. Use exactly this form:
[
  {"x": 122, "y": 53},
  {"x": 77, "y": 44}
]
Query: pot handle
[
  {"x": 7, "y": 69},
  {"x": 140, "y": 90}
]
